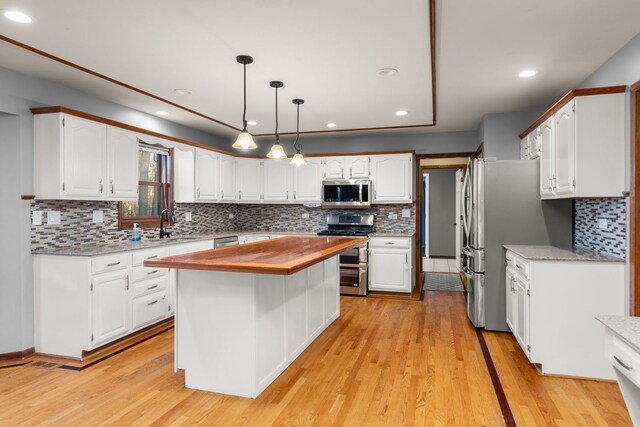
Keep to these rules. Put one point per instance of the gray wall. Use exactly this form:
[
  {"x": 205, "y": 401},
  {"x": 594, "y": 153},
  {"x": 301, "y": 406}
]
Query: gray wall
[
  {"x": 442, "y": 212},
  {"x": 500, "y": 133}
]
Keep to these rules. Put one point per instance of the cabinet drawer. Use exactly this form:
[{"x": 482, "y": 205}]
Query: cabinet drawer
[
  {"x": 108, "y": 263},
  {"x": 624, "y": 358},
  {"x": 511, "y": 260},
  {"x": 140, "y": 256},
  {"x": 391, "y": 242},
  {"x": 149, "y": 286},
  {"x": 143, "y": 273},
  {"x": 148, "y": 309},
  {"x": 522, "y": 267}
]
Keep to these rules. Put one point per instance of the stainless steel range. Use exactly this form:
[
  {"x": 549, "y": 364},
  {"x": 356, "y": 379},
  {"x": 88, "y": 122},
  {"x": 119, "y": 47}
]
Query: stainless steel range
[{"x": 354, "y": 262}]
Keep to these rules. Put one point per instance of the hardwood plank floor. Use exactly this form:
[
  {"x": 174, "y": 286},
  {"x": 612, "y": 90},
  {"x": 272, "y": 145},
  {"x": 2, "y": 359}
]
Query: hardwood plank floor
[{"x": 384, "y": 362}]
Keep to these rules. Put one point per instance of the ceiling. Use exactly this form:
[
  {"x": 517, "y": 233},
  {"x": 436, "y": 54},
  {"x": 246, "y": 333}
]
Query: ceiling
[{"x": 327, "y": 53}]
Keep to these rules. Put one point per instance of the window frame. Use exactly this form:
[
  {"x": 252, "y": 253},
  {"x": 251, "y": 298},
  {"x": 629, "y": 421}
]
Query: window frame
[{"x": 149, "y": 222}]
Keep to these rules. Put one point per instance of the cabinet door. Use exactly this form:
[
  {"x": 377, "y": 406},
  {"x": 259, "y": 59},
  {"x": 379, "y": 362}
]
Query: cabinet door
[
  {"x": 533, "y": 142},
  {"x": 510, "y": 311},
  {"x": 207, "y": 175},
  {"x": 547, "y": 156},
  {"x": 122, "y": 164},
  {"x": 308, "y": 181},
  {"x": 392, "y": 178},
  {"x": 184, "y": 174},
  {"x": 85, "y": 152},
  {"x": 522, "y": 314},
  {"x": 389, "y": 270},
  {"x": 249, "y": 180},
  {"x": 356, "y": 166},
  {"x": 277, "y": 181},
  {"x": 334, "y": 167},
  {"x": 524, "y": 148},
  {"x": 227, "y": 178},
  {"x": 110, "y": 307},
  {"x": 565, "y": 149}
]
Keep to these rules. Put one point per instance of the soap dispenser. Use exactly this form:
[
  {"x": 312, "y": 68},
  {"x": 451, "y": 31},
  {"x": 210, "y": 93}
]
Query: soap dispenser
[{"x": 136, "y": 233}]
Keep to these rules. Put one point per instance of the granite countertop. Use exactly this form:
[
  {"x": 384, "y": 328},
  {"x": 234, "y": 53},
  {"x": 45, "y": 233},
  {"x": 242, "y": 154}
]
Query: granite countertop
[
  {"x": 392, "y": 234},
  {"x": 128, "y": 245},
  {"x": 560, "y": 253},
  {"x": 626, "y": 327}
]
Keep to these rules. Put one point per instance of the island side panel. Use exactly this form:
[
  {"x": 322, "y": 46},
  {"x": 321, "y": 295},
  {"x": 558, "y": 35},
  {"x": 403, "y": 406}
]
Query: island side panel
[
  {"x": 216, "y": 326},
  {"x": 331, "y": 289}
]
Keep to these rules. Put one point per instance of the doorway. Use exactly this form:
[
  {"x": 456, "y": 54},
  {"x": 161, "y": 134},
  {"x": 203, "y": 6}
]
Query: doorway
[{"x": 440, "y": 219}]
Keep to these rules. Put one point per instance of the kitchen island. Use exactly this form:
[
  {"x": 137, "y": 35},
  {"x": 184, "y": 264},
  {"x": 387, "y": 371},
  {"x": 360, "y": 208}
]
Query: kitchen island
[{"x": 245, "y": 313}]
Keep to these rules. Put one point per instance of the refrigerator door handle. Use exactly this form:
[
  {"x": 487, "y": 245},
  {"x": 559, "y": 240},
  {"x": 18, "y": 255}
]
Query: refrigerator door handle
[{"x": 466, "y": 201}]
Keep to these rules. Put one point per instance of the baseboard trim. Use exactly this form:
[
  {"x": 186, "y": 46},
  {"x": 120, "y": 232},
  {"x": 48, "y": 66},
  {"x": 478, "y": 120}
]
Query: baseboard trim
[
  {"x": 17, "y": 358},
  {"x": 111, "y": 349}
]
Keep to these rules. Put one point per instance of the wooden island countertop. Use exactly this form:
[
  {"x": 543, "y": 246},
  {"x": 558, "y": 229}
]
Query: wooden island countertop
[{"x": 284, "y": 255}]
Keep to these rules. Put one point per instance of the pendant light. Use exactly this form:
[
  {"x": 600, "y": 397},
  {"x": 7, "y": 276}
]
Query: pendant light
[
  {"x": 277, "y": 152},
  {"x": 244, "y": 140},
  {"x": 298, "y": 158}
]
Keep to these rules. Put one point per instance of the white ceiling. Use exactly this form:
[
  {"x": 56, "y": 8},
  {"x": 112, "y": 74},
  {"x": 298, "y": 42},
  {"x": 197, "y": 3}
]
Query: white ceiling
[{"x": 326, "y": 52}]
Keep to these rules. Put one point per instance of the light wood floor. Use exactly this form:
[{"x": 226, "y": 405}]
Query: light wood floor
[{"x": 383, "y": 362}]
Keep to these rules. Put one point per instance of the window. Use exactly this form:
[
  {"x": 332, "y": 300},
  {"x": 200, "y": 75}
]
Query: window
[{"x": 155, "y": 190}]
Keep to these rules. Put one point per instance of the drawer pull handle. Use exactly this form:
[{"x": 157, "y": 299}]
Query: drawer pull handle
[
  {"x": 621, "y": 363},
  {"x": 153, "y": 257},
  {"x": 152, "y": 272},
  {"x": 509, "y": 259},
  {"x": 152, "y": 287},
  {"x": 388, "y": 243},
  {"x": 113, "y": 264},
  {"x": 152, "y": 302},
  {"x": 518, "y": 266}
]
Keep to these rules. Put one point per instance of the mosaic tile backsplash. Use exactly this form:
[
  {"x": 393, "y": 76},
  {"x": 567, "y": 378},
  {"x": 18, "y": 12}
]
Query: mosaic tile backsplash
[
  {"x": 77, "y": 227},
  {"x": 587, "y": 233}
]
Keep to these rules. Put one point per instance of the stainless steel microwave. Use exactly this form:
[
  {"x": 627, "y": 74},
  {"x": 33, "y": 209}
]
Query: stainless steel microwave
[{"x": 347, "y": 194}]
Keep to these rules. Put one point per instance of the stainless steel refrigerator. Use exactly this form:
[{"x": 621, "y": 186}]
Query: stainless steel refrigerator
[{"x": 501, "y": 205}]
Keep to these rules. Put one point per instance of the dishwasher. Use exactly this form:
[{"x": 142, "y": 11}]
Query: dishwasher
[{"x": 223, "y": 242}]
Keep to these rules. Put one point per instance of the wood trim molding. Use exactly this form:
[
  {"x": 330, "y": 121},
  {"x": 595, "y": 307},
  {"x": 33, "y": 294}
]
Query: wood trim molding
[
  {"x": 606, "y": 90},
  {"x": 17, "y": 355},
  {"x": 450, "y": 166},
  {"x": 479, "y": 152},
  {"x": 27, "y": 197},
  {"x": 432, "y": 43},
  {"x": 634, "y": 211},
  {"x": 443, "y": 155},
  {"x": 362, "y": 153}
]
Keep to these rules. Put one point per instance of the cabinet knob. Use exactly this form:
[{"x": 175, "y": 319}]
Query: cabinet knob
[{"x": 111, "y": 186}]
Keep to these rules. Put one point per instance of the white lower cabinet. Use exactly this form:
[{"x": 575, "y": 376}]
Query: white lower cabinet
[
  {"x": 390, "y": 264},
  {"x": 551, "y": 308},
  {"x": 82, "y": 303}
]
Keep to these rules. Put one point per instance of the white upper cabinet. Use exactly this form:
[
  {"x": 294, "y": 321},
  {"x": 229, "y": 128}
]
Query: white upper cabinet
[
  {"x": 122, "y": 164},
  {"x": 391, "y": 175},
  {"x": 565, "y": 150},
  {"x": 524, "y": 148},
  {"x": 227, "y": 178},
  {"x": 356, "y": 167},
  {"x": 334, "y": 167},
  {"x": 578, "y": 142},
  {"x": 278, "y": 181},
  {"x": 249, "y": 180},
  {"x": 85, "y": 153},
  {"x": 308, "y": 181},
  {"x": 184, "y": 189},
  {"x": 207, "y": 173}
]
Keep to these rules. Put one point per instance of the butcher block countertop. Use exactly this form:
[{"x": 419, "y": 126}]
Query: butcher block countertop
[{"x": 284, "y": 256}]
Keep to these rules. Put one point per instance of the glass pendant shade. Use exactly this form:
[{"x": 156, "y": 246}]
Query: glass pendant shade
[
  {"x": 298, "y": 160},
  {"x": 277, "y": 152},
  {"x": 244, "y": 141}
]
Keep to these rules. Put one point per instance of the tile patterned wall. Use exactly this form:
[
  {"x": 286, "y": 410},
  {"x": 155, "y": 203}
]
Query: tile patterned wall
[
  {"x": 587, "y": 233},
  {"x": 77, "y": 228}
]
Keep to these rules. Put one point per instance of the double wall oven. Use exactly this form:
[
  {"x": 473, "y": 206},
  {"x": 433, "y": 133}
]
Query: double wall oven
[{"x": 354, "y": 262}]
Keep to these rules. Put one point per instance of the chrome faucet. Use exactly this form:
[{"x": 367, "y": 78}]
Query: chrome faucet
[{"x": 170, "y": 217}]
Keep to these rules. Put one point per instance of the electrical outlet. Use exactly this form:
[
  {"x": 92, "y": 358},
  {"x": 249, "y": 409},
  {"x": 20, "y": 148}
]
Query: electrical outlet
[
  {"x": 187, "y": 216},
  {"x": 53, "y": 217},
  {"x": 392, "y": 216},
  {"x": 37, "y": 217},
  {"x": 305, "y": 216},
  {"x": 98, "y": 216},
  {"x": 406, "y": 213},
  {"x": 230, "y": 216},
  {"x": 603, "y": 223}
]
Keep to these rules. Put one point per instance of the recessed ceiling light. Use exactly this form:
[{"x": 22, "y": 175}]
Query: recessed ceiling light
[
  {"x": 527, "y": 73},
  {"x": 252, "y": 123},
  {"x": 385, "y": 72},
  {"x": 182, "y": 91},
  {"x": 331, "y": 125},
  {"x": 17, "y": 16},
  {"x": 162, "y": 113},
  {"x": 401, "y": 113}
]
